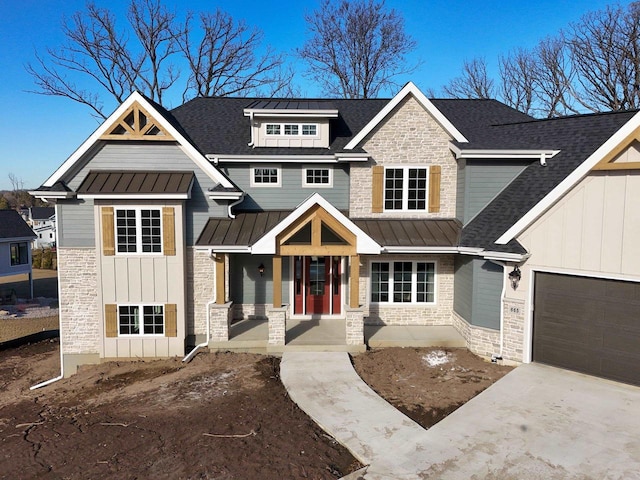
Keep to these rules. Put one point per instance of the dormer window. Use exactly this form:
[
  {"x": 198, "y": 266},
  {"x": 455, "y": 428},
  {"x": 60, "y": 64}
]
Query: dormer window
[
  {"x": 292, "y": 129},
  {"x": 309, "y": 129},
  {"x": 273, "y": 129}
]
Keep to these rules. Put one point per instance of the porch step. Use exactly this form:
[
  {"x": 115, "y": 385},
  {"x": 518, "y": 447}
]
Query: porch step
[
  {"x": 381, "y": 336},
  {"x": 263, "y": 348}
]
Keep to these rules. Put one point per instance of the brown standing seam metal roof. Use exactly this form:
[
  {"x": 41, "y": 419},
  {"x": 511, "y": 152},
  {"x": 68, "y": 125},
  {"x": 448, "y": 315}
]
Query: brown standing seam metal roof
[
  {"x": 249, "y": 227},
  {"x": 129, "y": 182}
]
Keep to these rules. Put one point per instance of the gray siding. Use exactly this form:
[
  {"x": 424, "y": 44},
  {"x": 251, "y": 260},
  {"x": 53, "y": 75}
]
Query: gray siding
[
  {"x": 248, "y": 287},
  {"x": 460, "y": 190},
  {"x": 156, "y": 156},
  {"x": 487, "y": 285},
  {"x": 483, "y": 180},
  {"x": 291, "y": 192},
  {"x": 463, "y": 287},
  {"x": 76, "y": 224}
]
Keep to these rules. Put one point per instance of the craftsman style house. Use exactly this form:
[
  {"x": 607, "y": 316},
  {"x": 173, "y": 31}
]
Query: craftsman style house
[{"x": 403, "y": 211}]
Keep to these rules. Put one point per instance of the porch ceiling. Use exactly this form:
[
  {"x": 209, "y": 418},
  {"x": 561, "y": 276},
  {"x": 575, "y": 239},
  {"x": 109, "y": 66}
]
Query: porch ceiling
[{"x": 249, "y": 227}]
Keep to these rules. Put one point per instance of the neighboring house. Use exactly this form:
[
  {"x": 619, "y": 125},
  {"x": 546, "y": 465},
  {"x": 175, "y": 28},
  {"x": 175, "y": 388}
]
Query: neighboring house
[
  {"x": 402, "y": 211},
  {"x": 15, "y": 252},
  {"x": 43, "y": 222}
]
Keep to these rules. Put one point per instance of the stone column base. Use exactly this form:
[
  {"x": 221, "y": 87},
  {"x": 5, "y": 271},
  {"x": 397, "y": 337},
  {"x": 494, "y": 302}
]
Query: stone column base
[
  {"x": 220, "y": 321},
  {"x": 355, "y": 325},
  {"x": 277, "y": 325}
]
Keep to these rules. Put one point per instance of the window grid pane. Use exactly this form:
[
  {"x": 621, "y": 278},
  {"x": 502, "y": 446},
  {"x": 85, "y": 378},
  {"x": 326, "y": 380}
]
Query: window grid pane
[
  {"x": 417, "y": 189},
  {"x": 273, "y": 129},
  {"x": 265, "y": 175},
  {"x": 379, "y": 282},
  {"x": 309, "y": 130},
  {"x": 126, "y": 231},
  {"x": 425, "y": 282},
  {"x": 318, "y": 176},
  {"x": 290, "y": 129},
  {"x": 151, "y": 231},
  {"x": 129, "y": 319},
  {"x": 393, "y": 188},
  {"x": 153, "y": 320},
  {"x": 402, "y": 282}
]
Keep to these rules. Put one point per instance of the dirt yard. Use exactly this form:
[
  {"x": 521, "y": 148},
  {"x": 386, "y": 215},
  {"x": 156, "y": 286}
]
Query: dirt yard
[{"x": 223, "y": 416}]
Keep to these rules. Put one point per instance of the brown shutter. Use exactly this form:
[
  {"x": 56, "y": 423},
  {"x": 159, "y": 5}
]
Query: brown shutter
[
  {"x": 111, "y": 320},
  {"x": 108, "y": 236},
  {"x": 170, "y": 320},
  {"x": 434, "y": 188},
  {"x": 377, "y": 193},
  {"x": 169, "y": 231}
]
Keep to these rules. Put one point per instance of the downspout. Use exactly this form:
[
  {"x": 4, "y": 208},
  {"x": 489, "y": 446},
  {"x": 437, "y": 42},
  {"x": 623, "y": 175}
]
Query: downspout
[
  {"x": 252, "y": 142},
  {"x": 233, "y": 204},
  {"x": 61, "y": 376},
  {"x": 204, "y": 344},
  {"x": 494, "y": 357}
]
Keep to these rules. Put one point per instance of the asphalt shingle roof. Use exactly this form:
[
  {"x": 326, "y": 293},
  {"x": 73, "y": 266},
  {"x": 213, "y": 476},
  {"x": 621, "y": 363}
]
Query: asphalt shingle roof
[{"x": 13, "y": 226}]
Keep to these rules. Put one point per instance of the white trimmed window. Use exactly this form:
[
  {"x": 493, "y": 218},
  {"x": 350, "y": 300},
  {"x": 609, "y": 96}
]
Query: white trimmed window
[
  {"x": 138, "y": 230},
  {"x": 292, "y": 129},
  {"x": 141, "y": 320},
  {"x": 265, "y": 176},
  {"x": 406, "y": 188},
  {"x": 403, "y": 282},
  {"x": 316, "y": 177}
]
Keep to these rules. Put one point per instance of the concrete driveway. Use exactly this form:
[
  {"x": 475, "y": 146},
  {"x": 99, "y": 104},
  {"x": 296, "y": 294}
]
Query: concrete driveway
[{"x": 540, "y": 422}]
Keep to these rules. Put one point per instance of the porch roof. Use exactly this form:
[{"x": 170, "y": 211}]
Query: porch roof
[
  {"x": 123, "y": 182},
  {"x": 249, "y": 227}
]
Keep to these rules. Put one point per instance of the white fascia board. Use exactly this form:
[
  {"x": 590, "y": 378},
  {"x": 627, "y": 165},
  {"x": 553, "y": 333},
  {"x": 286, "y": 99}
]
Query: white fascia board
[
  {"x": 502, "y": 153},
  {"x": 351, "y": 157},
  {"x": 224, "y": 195},
  {"x": 225, "y": 248},
  {"x": 427, "y": 250},
  {"x": 42, "y": 194},
  {"x": 280, "y": 112},
  {"x": 216, "y": 159},
  {"x": 505, "y": 257},
  {"x": 186, "y": 146},
  {"x": 267, "y": 244},
  {"x": 408, "y": 89},
  {"x": 572, "y": 180},
  {"x": 135, "y": 196}
]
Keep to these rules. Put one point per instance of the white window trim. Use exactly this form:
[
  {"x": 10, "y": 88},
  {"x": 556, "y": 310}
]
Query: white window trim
[
  {"x": 414, "y": 276},
  {"x": 141, "y": 310},
  {"x": 138, "y": 210},
  {"x": 298, "y": 124},
  {"x": 317, "y": 185},
  {"x": 405, "y": 189},
  {"x": 262, "y": 166}
]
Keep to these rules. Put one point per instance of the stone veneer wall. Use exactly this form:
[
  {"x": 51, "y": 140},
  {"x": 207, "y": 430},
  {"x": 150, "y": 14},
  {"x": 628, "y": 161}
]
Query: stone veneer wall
[
  {"x": 80, "y": 315},
  {"x": 200, "y": 289},
  {"x": 412, "y": 314},
  {"x": 481, "y": 341},
  {"x": 513, "y": 329},
  {"x": 408, "y": 136}
]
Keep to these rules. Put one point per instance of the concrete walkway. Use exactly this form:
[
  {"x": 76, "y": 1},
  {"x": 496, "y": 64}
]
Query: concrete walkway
[
  {"x": 537, "y": 422},
  {"x": 327, "y": 388}
]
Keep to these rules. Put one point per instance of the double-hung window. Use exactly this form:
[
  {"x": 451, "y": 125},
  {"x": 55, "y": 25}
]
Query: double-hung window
[
  {"x": 141, "y": 320},
  {"x": 406, "y": 188},
  {"x": 138, "y": 230},
  {"x": 403, "y": 282},
  {"x": 19, "y": 253}
]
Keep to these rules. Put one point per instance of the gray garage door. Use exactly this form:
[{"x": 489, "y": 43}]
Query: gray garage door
[{"x": 589, "y": 325}]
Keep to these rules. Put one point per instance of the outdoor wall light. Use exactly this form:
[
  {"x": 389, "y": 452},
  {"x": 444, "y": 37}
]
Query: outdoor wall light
[
  {"x": 515, "y": 277},
  {"x": 261, "y": 269}
]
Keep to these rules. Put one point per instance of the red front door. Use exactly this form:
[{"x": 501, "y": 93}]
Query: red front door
[{"x": 317, "y": 285}]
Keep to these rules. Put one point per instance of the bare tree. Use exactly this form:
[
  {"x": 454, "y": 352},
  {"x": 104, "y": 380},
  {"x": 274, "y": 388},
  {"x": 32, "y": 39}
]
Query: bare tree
[
  {"x": 474, "y": 82},
  {"x": 517, "y": 76},
  {"x": 357, "y": 48},
  {"x": 101, "y": 58},
  {"x": 224, "y": 61}
]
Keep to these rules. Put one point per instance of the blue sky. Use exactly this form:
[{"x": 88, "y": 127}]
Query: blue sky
[{"x": 38, "y": 133}]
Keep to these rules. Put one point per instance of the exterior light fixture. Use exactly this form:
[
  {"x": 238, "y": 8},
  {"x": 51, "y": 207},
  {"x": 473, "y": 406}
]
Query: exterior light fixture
[
  {"x": 515, "y": 275},
  {"x": 261, "y": 269}
]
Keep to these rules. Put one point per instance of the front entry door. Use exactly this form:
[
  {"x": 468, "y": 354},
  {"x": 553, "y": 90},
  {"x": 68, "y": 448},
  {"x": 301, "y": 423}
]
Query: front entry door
[{"x": 317, "y": 285}]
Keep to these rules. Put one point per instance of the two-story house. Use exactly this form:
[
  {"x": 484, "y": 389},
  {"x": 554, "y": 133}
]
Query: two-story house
[
  {"x": 43, "y": 222},
  {"x": 401, "y": 211}
]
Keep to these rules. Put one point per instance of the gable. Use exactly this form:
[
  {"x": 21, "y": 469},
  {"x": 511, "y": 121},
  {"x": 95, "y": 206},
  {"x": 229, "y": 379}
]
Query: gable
[
  {"x": 136, "y": 123},
  {"x": 625, "y": 157}
]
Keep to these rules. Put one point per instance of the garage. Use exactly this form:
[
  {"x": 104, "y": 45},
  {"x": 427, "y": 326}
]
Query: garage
[{"x": 589, "y": 325}]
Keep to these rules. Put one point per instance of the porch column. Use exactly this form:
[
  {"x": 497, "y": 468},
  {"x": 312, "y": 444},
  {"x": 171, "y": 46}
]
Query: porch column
[
  {"x": 220, "y": 292},
  {"x": 277, "y": 281},
  {"x": 354, "y": 291}
]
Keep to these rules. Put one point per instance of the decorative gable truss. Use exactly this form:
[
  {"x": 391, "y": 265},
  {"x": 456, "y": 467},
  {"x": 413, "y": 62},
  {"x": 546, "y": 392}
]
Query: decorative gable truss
[
  {"x": 136, "y": 124},
  {"x": 626, "y": 156}
]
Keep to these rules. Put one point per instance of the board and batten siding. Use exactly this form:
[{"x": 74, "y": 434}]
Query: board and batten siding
[
  {"x": 594, "y": 229},
  {"x": 481, "y": 181},
  {"x": 291, "y": 192},
  {"x": 248, "y": 287},
  {"x": 144, "y": 156},
  {"x": 144, "y": 280},
  {"x": 477, "y": 291}
]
